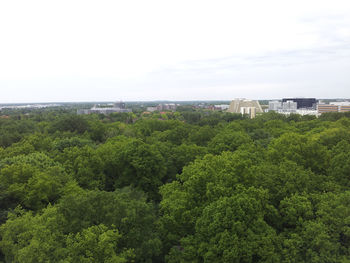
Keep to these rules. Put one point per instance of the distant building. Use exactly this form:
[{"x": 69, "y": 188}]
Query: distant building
[
  {"x": 83, "y": 111},
  {"x": 275, "y": 105},
  {"x": 251, "y": 111},
  {"x": 108, "y": 110},
  {"x": 344, "y": 108},
  {"x": 306, "y": 112},
  {"x": 151, "y": 109},
  {"x": 341, "y": 106},
  {"x": 286, "y": 106},
  {"x": 289, "y": 106},
  {"x": 169, "y": 106},
  {"x": 322, "y": 108},
  {"x": 303, "y": 103},
  {"x": 120, "y": 105},
  {"x": 340, "y": 103},
  {"x": 244, "y": 106},
  {"x": 221, "y": 107}
]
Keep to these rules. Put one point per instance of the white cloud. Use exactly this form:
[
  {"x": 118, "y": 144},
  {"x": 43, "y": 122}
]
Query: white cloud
[{"x": 86, "y": 47}]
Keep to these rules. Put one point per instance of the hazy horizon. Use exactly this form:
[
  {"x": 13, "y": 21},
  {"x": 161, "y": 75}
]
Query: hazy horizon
[
  {"x": 81, "y": 51},
  {"x": 159, "y": 101}
]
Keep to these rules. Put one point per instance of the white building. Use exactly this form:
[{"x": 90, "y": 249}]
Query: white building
[
  {"x": 251, "y": 111},
  {"x": 340, "y": 103},
  {"x": 289, "y": 106},
  {"x": 151, "y": 109},
  {"x": 237, "y": 105},
  {"x": 106, "y": 110},
  {"x": 275, "y": 105},
  {"x": 221, "y": 107}
]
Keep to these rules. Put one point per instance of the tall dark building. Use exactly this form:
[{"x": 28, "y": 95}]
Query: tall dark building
[{"x": 303, "y": 103}]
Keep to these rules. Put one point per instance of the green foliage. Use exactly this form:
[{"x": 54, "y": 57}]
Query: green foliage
[
  {"x": 29, "y": 238},
  {"x": 202, "y": 182},
  {"x": 228, "y": 140},
  {"x": 96, "y": 244},
  {"x": 126, "y": 210},
  {"x": 332, "y": 136},
  {"x": 86, "y": 226},
  {"x": 339, "y": 167},
  {"x": 85, "y": 165},
  {"x": 61, "y": 144},
  {"x": 187, "y": 186},
  {"x": 13, "y": 130},
  {"x": 148, "y": 126},
  {"x": 185, "y": 154},
  {"x": 97, "y": 131},
  {"x": 202, "y": 135},
  {"x": 301, "y": 149},
  {"x": 233, "y": 229},
  {"x": 71, "y": 123},
  {"x": 132, "y": 162},
  {"x": 36, "y": 159},
  {"x": 32, "y": 181},
  {"x": 217, "y": 223},
  {"x": 294, "y": 210}
]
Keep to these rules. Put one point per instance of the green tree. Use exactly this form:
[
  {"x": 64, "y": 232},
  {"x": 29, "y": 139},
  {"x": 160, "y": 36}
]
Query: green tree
[
  {"x": 96, "y": 244},
  {"x": 85, "y": 165},
  {"x": 302, "y": 150},
  {"x": 32, "y": 181},
  {"x": 71, "y": 123},
  {"x": 202, "y": 135},
  {"x": 132, "y": 162},
  {"x": 227, "y": 140},
  {"x": 85, "y": 226},
  {"x": 339, "y": 167},
  {"x": 231, "y": 229}
]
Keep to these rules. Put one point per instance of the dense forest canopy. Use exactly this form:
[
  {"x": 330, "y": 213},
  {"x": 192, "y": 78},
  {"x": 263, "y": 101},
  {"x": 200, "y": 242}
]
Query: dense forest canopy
[{"x": 184, "y": 186}]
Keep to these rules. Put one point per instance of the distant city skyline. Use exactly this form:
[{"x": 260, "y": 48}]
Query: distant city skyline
[
  {"x": 61, "y": 103},
  {"x": 83, "y": 51}
]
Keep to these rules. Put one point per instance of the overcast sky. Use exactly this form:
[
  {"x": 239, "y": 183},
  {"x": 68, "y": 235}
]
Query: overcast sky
[{"x": 173, "y": 50}]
